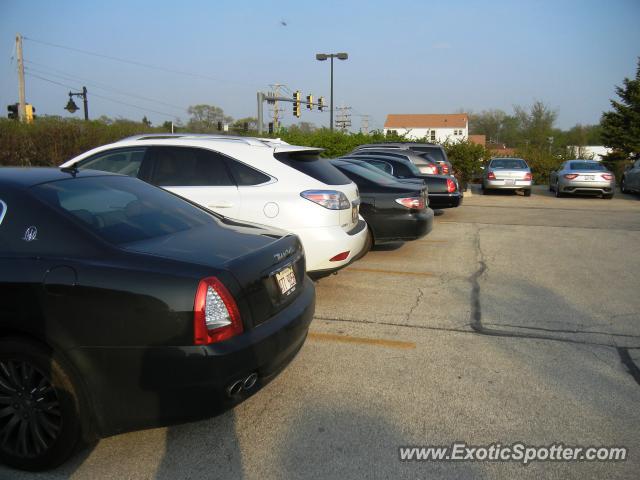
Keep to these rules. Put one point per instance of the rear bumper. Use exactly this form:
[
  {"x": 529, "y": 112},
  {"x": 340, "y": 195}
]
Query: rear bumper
[
  {"x": 503, "y": 184},
  {"x": 445, "y": 200},
  {"x": 144, "y": 387},
  {"x": 323, "y": 243},
  {"x": 594, "y": 188},
  {"x": 402, "y": 227}
]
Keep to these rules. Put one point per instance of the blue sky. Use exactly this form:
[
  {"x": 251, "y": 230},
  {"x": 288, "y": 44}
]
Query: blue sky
[{"x": 404, "y": 57}]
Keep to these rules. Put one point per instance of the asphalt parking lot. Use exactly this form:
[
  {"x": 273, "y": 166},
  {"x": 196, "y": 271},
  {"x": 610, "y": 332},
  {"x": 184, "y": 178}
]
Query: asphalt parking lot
[{"x": 516, "y": 319}]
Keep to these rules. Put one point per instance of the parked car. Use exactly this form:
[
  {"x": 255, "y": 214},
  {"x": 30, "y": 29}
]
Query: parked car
[
  {"x": 584, "y": 177},
  {"x": 127, "y": 307},
  {"x": 395, "y": 210},
  {"x": 444, "y": 190},
  {"x": 630, "y": 182},
  {"x": 507, "y": 174},
  {"x": 434, "y": 151},
  {"x": 252, "y": 180},
  {"x": 420, "y": 160}
]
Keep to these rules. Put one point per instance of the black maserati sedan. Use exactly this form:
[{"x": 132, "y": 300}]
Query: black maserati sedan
[
  {"x": 444, "y": 190},
  {"x": 394, "y": 210},
  {"x": 123, "y": 307}
]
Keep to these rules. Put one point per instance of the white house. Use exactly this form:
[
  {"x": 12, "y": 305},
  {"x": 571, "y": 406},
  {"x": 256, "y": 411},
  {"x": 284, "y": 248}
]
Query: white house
[{"x": 436, "y": 127}]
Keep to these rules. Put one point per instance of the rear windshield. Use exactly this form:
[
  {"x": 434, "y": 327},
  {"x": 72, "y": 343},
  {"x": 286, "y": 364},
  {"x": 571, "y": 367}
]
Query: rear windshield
[
  {"x": 122, "y": 210},
  {"x": 435, "y": 154},
  {"x": 3, "y": 211},
  {"x": 312, "y": 165},
  {"x": 586, "y": 166},
  {"x": 369, "y": 172},
  {"x": 509, "y": 164}
]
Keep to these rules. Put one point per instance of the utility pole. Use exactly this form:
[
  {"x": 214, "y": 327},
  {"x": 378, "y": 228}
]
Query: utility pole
[
  {"x": 22, "y": 103},
  {"x": 276, "y": 109},
  {"x": 343, "y": 119},
  {"x": 364, "y": 127}
]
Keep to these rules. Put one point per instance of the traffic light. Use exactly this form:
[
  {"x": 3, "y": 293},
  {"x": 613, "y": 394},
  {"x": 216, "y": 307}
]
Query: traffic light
[
  {"x": 270, "y": 127},
  {"x": 310, "y": 102},
  {"x": 13, "y": 111},
  {"x": 296, "y": 103},
  {"x": 320, "y": 103},
  {"x": 29, "y": 112}
]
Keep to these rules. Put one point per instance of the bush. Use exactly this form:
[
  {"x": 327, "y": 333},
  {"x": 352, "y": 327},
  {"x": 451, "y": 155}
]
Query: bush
[{"x": 466, "y": 158}]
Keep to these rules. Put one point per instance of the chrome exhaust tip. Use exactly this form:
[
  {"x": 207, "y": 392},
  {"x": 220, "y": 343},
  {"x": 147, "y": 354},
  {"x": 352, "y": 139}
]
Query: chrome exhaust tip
[
  {"x": 235, "y": 388},
  {"x": 250, "y": 381}
]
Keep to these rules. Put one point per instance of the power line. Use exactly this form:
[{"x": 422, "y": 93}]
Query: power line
[
  {"x": 145, "y": 109},
  {"x": 137, "y": 63},
  {"x": 99, "y": 85}
]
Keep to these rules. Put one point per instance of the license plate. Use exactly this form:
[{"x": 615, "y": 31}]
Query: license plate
[
  {"x": 589, "y": 177},
  {"x": 286, "y": 280},
  {"x": 510, "y": 182},
  {"x": 354, "y": 214}
]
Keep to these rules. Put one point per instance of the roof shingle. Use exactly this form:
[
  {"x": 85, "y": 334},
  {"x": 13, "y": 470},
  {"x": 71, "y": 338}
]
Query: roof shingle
[{"x": 426, "y": 120}]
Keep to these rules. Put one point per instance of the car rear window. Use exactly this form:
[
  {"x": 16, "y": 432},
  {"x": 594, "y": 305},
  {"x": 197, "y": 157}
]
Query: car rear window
[
  {"x": 435, "y": 154},
  {"x": 369, "y": 172},
  {"x": 509, "y": 164},
  {"x": 3, "y": 211},
  {"x": 122, "y": 210},
  {"x": 312, "y": 165},
  {"x": 586, "y": 166}
]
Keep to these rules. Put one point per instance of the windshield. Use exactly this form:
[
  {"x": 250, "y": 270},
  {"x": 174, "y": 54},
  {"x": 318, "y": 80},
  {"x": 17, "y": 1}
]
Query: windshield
[
  {"x": 509, "y": 164},
  {"x": 587, "y": 166},
  {"x": 122, "y": 210}
]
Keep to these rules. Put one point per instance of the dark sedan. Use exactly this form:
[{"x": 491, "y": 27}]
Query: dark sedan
[
  {"x": 394, "y": 210},
  {"x": 444, "y": 191},
  {"x": 123, "y": 306}
]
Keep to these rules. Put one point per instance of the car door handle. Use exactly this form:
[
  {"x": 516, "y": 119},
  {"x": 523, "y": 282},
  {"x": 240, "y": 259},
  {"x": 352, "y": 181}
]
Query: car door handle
[{"x": 221, "y": 204}]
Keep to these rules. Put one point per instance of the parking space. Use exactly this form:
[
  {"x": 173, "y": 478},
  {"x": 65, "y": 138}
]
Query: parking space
[{"x": 516, "y": 319}]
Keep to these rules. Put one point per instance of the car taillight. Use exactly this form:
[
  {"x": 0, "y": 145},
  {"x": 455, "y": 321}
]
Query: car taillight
[
  {"x": 527, "y": 176},
  {"x": 570, "y": 176},
  {"x": 330, "y": 199},
  {"x": 415, "y": 203},
  {"x": 491, "y": 176},
  {"x": 451, "y": 185},
  {"x": 445, "y": 169},
  {"x": 215, "y": 313},
  {"x": 607, "y": 176},
  {"x": 339, "y": 257}
]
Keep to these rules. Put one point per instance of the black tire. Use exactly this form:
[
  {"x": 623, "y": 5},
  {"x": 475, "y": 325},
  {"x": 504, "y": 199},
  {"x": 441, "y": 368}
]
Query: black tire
[
  {"x": 608, "y": 196},
  {"x": 370, "y": 243},
  {"x": 485, "y": 191},
  {"x": 527, "y": 193},
  {"x": 559, "y": 194},
  {"x": 623, "y": 186},
  {"x": 39, "y": 407}
]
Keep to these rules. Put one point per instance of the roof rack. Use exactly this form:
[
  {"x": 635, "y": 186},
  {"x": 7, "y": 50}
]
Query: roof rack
[{"x": 254, "y": 141}]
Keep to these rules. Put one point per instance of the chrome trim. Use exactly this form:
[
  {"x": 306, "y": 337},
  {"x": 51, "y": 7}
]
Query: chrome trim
[{"x": 3, "y": 212}]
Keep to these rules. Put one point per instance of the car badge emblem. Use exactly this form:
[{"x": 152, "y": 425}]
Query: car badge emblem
[
  {"x": 282, "y": 255},
  {"x": 30, "y": 234}
]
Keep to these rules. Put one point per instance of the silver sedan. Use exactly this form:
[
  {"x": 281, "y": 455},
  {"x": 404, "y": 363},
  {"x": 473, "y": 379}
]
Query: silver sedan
[
  {"x": 507, "y": 174},
  {"x": 582, "y": 177}
]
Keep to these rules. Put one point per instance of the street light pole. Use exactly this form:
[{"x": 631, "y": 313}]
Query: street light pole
[{"x": 322, "y": 57}]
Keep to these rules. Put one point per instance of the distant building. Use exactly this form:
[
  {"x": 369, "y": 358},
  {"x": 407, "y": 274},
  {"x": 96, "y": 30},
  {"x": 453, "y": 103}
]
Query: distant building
[
  {"x": 437, "y": 128},
  {"x": 500, "y": 150},
  {"x": 478, "y": 140},
  {"x": 591, "y": 152}
]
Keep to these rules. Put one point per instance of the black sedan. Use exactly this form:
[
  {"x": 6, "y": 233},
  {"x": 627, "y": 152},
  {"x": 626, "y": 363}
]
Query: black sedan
[
  {"x": 394, "y": 210},
  {"x": 124, "y": 307},
  {"x": 444, "y": 190}
]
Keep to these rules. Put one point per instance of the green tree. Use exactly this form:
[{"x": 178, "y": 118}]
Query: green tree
[
  {"x": 621, "y": 126},
  {"x": 489, "y": 123},
  {"x": 536, "y": 123},
  {"x": 146, "y": 122},
  {"x": 204, "y": 118}
]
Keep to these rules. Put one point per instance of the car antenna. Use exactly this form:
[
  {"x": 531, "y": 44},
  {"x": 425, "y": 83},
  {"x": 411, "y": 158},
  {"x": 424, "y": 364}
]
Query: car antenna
[{"x": 72, "y": 169}]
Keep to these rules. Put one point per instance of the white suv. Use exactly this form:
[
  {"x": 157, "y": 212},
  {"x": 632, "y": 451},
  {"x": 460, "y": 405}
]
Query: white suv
[{"x": 250, "y": 179}]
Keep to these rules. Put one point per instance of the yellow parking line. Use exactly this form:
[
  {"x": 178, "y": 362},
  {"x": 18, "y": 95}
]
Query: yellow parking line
[
  {"x": 331, "y": 337},
  {"x": 393, "y": 272}
]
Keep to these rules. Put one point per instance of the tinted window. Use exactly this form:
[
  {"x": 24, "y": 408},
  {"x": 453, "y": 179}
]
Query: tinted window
[
  {"x": 586, "y": 166},
  {"x": 3, "y": 211},
  {"x": 188, "y": 167},
  {"x": 435, "y": 153},
  {"x": 122, "y": 210},
  {"x": 509, "y": 164},
  {"x": 245, "y": 175},
  {"x": 372, "y": 174},
  {"x": 123, "y": 161},
  {"x": 384, "y": 166},
  {"x": 312, "y": 165}
]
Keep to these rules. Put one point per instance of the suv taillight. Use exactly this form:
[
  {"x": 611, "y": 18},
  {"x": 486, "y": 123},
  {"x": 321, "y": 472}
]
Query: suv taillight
[
  {"x": 607, "y": 176},
  {"x": 414, "y": 203},
  {"x": 445, "y": 169},
  {"x": 215, "y": 313},
  {"x": 451, "y": 185},
  {"x": 527, "y": 176},
  {"x": 491, "y": 176},
  {"x": 330, "y": 199}
]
